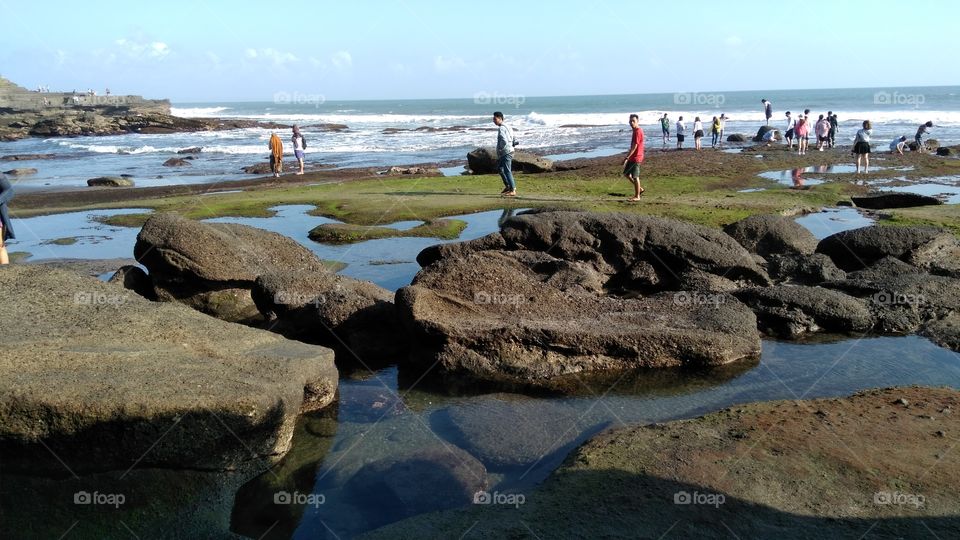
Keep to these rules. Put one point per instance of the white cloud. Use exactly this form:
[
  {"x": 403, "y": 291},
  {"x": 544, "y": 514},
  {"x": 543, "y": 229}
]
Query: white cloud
[
  {"x": 136, "y": 50},
  {"x": 443, "y": 63},
  {"x": 342, "y": 60},
  {"x": 274, "y": 56}
]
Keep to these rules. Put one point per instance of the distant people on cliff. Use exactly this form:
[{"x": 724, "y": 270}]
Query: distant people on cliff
[
  {"x": 767, "y": 110},
  {"x": 276, "y": 155},
  {"x": 921, "y": 131},
  {"x": 631, "y": 164},
  {"x": 6, "y": 230},
  {"x": 505, "y": 144},
  {"x": 861, "y": 146},
  {"x": 299, "y": 145}
]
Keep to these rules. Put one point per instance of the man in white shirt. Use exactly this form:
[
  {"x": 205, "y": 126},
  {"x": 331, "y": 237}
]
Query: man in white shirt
[{"x": 681, "y": 129}]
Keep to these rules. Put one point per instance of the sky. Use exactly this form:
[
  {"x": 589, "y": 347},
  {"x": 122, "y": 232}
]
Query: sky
[{"x": 201, "y": 51}]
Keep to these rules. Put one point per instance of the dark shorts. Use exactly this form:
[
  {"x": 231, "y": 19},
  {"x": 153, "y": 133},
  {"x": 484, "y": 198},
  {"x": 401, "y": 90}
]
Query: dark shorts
[
  {"x": 825, "y": 138},
  {"x": 861, "y": 148},
  {"x": 298, "y": 154},
  {"x": 698, "y": 133},
  {"x": 679, "y": 137},
  {"x": 919, "y": 140},
  {"x": 788, "y": 134},
  {"x": 632, "y": 168},
  {"x": 666, "y": 131}
]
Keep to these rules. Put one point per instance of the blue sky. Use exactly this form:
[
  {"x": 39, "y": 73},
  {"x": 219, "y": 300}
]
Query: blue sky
[{"x": 249, "y": 51}]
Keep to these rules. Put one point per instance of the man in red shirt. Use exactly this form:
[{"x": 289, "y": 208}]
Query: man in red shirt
[{"x": 631, "y": 165}]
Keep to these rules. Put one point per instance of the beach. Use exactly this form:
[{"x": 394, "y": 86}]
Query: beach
[{"x": 345, "y": 316}]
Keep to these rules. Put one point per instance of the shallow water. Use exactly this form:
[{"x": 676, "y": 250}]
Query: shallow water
[{"x": 833, "y": 220}]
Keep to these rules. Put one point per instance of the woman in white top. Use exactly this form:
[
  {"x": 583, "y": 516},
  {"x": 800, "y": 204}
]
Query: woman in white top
[
  {"x": 298, "y": 147},
  {"x": 697, "y": 132},
  {"x": 861, "y": 146}
]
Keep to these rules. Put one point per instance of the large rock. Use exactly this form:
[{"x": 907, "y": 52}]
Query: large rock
[
  {"x": 437, "y": 252},
  {"x": 803, "y": 269},
  {"x": 337, "y": 311},
  {"x": 469, "y": 321},
  {"x": 25, "y": 171},
  {"x": 107, "y": 380},
  {"x": 737, "y": 138},
  {"x": 483, "y": 160},
  {"x": 792, "y": 311},
  {"x": 926, "y": 247},
  {"x": 176, "y": 162},
  {"x": 880, "y": 201},
  {"x": 213, "y": 266},
  {"x": 258, "y": 168},
  {"x": 614, "y": 243},
  {"x": 768, "y": 234}
]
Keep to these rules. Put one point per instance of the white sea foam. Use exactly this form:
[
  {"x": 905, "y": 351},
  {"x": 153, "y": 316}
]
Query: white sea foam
[{"x": 198, "y": 112}]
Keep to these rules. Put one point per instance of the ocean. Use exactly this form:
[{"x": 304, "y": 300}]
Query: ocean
[{"x": 441, "y": 131}]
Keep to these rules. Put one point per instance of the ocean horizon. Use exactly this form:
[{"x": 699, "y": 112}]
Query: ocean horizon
[{"x": 439, "y": 132}]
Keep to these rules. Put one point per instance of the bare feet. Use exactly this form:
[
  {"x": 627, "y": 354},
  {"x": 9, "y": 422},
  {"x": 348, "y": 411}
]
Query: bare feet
[{"x": 510, "y": 194}]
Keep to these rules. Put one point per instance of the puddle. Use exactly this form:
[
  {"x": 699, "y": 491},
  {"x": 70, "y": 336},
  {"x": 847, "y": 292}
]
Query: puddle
[
  {"x": 94, "y": 240},
  {"x": 948, "y": 194},
  {"x": 751, "y": 190},
  {"x": 596, "y": 152},
  {"x": 793, "y": 177},
  {"x": 525, "y": 438},
  {"x": 779, "y": 176},
  {"x": 459, "y": 170},
  {"x": 732, "y": 150},
  {"x": 833, "y": 220}
]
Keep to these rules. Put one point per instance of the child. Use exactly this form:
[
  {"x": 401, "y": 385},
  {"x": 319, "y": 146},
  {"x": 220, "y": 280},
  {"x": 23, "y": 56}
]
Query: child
[
  {"x": 897, "y": 145},
  {"x": 715, "y": 132},
  {"x": 924, "y": 128}
]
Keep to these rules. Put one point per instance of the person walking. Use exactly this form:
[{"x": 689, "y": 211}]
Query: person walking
[
  {"x": 697, "y": 132},
  {"x": 505, "y": 144},
  {"x": 299, "y": 145},
  {"x": 680, "y": 133},
  {"x": 767, "y": 110},
  {"x": 714, "y": 132},
  {"x": 665, "y": 128},
  {"x": 276, "y": 155},
  {"x": 823, "y": 132},
  {"x": 631, "y": 164},
  {"x": 802, "y": 134},
  {"x": 861, "y": 146},
  {"x": 723, "y": 125},
  {"x": 6, "y": 230},
  {"x": 790, "y": 131},
  {"x": 834, "y": 126}
]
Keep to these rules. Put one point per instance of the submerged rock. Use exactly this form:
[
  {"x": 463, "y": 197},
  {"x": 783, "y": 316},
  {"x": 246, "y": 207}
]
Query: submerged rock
[
  {"x": 880, "y": 201},
  {"x": 108, "y": 380},
  {"x": 110, "y": 181}
]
